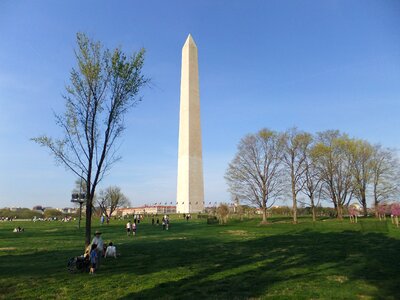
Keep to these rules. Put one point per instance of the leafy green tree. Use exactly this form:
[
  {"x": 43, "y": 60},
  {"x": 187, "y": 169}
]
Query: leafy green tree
[
  {"x": 361, "y": 154},
  {"x": 334, "y": 168},
  {"x": 103, "y": 87}
]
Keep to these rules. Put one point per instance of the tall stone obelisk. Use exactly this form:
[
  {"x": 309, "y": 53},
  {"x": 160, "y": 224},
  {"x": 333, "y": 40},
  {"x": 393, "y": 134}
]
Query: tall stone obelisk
[{"x": 190, "y": 192}]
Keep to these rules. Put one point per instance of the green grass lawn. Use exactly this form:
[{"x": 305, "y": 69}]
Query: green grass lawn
[{"x": 240, "y": 260}]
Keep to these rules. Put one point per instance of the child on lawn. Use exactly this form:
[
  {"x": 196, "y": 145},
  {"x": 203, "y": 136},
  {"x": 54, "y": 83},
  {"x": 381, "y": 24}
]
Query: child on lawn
[{"x": 93, "y": 258}]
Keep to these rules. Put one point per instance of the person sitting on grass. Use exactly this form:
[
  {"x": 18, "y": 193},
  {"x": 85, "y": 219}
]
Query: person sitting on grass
[
  {"x": 18, "y": 229},
  {"x": 93, "y": 259},
  {"x": 111, "y": 251}
]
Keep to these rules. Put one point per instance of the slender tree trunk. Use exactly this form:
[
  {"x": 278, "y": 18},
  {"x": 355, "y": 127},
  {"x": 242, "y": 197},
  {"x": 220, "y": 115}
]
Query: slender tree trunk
[
  {"x": 376, "y": 204},
  {"x": 294, "y": 197},
  {"x": 314, "y": 217},
  {"x": 88, "y": 227}
]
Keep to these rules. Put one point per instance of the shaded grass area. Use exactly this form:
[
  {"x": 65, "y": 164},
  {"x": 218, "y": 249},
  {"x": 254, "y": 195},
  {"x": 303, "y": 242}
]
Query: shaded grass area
[{"x": 323, "y": 260}]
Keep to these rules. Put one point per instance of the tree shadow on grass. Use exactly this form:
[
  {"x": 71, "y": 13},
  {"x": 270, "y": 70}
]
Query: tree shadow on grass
[
  {"x": 251, "y": 268},
  {"x": 307, "y": 263}
]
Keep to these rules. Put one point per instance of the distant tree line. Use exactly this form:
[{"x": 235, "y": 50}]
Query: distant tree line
[
  {"x": 331, "y": 166},
  {"x": 26, "y": 213}
]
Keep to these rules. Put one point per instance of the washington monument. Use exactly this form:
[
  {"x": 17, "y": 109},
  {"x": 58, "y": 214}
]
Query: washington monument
[{"x": 190, "y": 193}]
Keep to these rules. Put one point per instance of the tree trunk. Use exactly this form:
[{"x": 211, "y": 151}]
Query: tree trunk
[
  {"x": 364, "y": 203},
  {"x": 376, "y": 203},
  {"x": 314, "y": 217},
  {"x": 339, "y": 212},
  {"x": 294, "y": 197},
  {"x": 264, "y": 211},
  {"x": 88, "y": 227}
]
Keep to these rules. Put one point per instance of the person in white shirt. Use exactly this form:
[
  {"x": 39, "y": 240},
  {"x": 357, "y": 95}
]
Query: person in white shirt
[
  {"x": 128, "y": 228},
  {"x": 111, "y": 251}
]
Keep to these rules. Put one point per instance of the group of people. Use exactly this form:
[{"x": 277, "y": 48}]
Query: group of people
[
  {"x": 7, "y": 218},
  {"x": 131, "y": 228},
  {"x": 97, "y": 249},
  {"x": 104, "y": 219},
  {"x": 164, "y": 222}
]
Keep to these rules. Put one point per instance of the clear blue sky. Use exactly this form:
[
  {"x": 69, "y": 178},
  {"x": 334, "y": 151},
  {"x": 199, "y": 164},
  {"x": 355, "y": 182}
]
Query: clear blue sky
[{"x": 313, "y": 64}]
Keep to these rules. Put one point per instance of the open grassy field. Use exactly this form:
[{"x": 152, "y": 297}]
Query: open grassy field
[{"x": 240, "y": 260}]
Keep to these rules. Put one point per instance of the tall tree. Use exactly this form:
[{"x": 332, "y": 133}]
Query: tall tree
[
  {"x": 385, "y": 175},
  {"x": 256, "y": 174},
  {"x": 223, "y": 213},
  {"x": 294, "y": 157},
  {"x": 110, "y": 199},
  {"x": 361, "y": 153},
  {"x": 334, "y": 168},
  {"x": 103, "y": 87},
  {"x": 310, "y": 181}
]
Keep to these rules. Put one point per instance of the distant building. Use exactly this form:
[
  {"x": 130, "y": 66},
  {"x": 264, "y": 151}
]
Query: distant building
[
  {"x": 67, "y": 210},
  {"x": 38, "y": 208},
  {"x": 15, "y": 208},
  {"x": 147, "y": 209}
]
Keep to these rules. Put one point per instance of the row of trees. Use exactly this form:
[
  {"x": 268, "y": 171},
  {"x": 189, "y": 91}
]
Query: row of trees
[
  {"x": 26, "y": 213},
  {"x": 329, "y": 165}
]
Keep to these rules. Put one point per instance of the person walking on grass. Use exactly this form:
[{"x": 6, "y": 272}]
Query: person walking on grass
[
  {"x": 152, "y": 221},
  {"x": 134, "y": 229},
  {"x": 93, "y": 259},
  {"x": 128, "y": 228},
  {"x": 164, "y": 223}
]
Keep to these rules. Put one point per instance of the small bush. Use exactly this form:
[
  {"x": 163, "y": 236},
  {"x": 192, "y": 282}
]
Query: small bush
[{"x": 212, "y": 220}]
